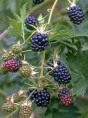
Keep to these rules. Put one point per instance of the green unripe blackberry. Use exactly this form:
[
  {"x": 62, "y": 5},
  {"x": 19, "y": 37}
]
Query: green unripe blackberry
[
  {"x": 7, "y": 56},
  {"x": 8, "y": 107},
  {"x": 25, "y": 70},
  {"x": 3, "y": 70},
  {"x": 17, "y": 48},
  {"x": 25, "y": 111}
]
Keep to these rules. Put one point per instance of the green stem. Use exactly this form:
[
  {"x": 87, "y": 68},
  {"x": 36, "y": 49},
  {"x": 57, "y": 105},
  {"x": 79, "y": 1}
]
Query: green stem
[
  {"x": 52, "y": 10},
  {"x": 37, "y": 7},
  {"x": 42, "y": 66},
  {"x": 23, "y": 34},
  {"x": 29, "y": 37}
]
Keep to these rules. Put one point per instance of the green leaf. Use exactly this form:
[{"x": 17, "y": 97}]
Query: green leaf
[
  {"x": 23, "y": 13},
  {"x": 79, "y": 69},
  {"x": 85, "y": 48}
]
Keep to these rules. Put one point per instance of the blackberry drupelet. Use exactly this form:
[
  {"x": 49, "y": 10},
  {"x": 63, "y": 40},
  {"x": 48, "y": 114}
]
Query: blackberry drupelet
[
  {"x": 31, "y": 20},
  {"x": 12, "y": 65},
  {"x": 41, "y": 98},
  {"x": 60, "y": 73},
  {"x": 39, "y": 42},
  {"x": 65, "y": 96},
  {"x": 38, "y": 1},
  {"x": 76, "y": 14}
]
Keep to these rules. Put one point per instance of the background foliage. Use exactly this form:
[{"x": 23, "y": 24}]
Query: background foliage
[{"x": 71, "y": 42}]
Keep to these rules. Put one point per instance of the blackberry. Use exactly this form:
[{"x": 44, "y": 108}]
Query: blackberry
[
  {"x": 41, "y": 98},
  {"x": 39, "y": 42},
  {"x": 3, "y": 70},
  {"x": 12, "y": 65},
  {"x": 76, "y": 14},
  {"x": 17, "y": 48},
  {"x": 65, "y": 96},
  {"x": 7, "y": 55},
  {"x": 25, "y": 70},
  {"x": 31, "y": 20},
  {"x": 25, "y": 111},
  {"x": 60, "y": 73},
  {"x": 38, "y": 1},
  {"x": 9, "y": 107}
]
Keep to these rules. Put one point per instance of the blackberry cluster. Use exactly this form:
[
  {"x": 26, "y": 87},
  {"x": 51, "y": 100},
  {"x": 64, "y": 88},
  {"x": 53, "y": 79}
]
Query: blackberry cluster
[
  {"x": 12, "y": 65},
  {"x": 9, "y": 107},
  {"x": 39, "y": 42},
  {"x": 31, "y": 20},
  {"x": 41, "y": 98},
  {"x": 38, "y": 1},
  {"x": 60, "y": 73},
  {"x": 76, "y": 14},
  {"x": 65, "y": 96},
  {"x": 25, "y": 111},
  {"x": 25, "y": 70},
  {"x": 17, "y": 48}
]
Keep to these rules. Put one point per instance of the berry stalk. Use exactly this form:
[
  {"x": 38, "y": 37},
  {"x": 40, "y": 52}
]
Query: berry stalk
[
  {"x": 52, "y": 10},
  {"x": 42, "y": 66}
]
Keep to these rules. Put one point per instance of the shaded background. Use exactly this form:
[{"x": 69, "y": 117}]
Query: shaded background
[{"x": 11, "y": 83}]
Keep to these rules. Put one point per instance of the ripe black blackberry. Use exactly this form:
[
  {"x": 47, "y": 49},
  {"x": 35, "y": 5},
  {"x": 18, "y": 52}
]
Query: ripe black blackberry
[
  {"x": 60, "y": 73},
  {"x": 38, "y": 1},
  {"x": 41, "y": 98},
  {"x": 31, "y": 20},
  {"x": 65, "y": 96},
  {"x": 76, "y": 14},
  {"x": 39, "y": 42},
  {"x": 12, "y": 65}
]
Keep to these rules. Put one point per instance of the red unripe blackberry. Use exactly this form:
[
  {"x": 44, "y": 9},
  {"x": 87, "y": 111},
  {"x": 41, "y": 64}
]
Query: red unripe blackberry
[
  {"x": 41, "y": 98},
  {"x": 31, "y": 20},
  {"x": 65, "y": 96},
  {"x": 76, "y": 14},
  {"x": 38, "y": 1},
  {"x": 39, "y": 42},
  {"x": 12, "y": 65}
]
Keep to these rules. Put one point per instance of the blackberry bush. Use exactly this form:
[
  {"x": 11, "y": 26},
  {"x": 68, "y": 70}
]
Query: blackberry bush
[{"x": 39, "y": 42}]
